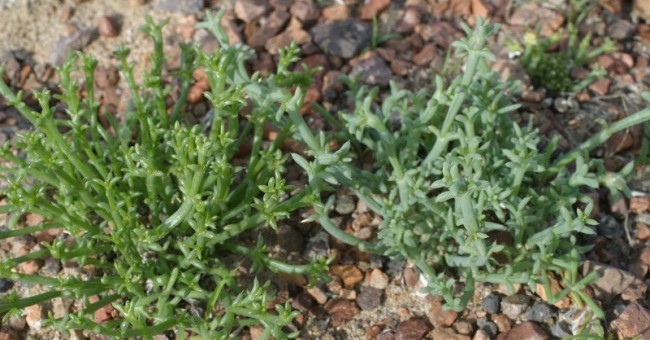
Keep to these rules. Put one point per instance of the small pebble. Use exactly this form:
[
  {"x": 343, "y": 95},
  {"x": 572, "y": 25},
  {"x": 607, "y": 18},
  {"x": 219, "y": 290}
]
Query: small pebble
[
  {"x": 106, "y": 77},
  {"x": 488, "y": 326},
  {"x": 414, "y": 328},
  {"x": 503, "y": 323},
  {"x": 345, "y": 205},
  {"x": 370, "y": 298},
  {"x": 491, "y": 303},
  {"x": 107, "y": 27},
  {"x": 540, "y": 312},
  {"x": 481, "y": 335},
  {"x": 560, "y": 330},
  {"x": 34, "y": 316},
  {"x": 341, "y": 311},
  {"x": 463, "y": 327},
  {"x": 5, "y": 285},
  {"x": 514, "y": 305},
  {"x": 378, "y": 279}
]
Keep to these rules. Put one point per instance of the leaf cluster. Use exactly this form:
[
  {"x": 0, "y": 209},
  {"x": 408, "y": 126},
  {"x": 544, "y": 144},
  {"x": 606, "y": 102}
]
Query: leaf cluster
[
  {"x": 158, "y": 207},
  {"x": 552, "y": 70},
  {"x": 463, "y": 190}
]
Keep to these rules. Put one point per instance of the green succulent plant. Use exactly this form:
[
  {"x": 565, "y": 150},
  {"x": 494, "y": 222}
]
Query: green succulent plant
[
  {"x": 156, "y": 206},
  {"x": 463, "y": 190}
]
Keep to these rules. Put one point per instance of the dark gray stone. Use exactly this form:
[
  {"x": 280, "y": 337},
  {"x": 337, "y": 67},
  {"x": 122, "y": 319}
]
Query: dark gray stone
[
  {"x": 342, "y": 38},
  {"x": 514, "y": 305},
  {"x": 318, "y": 245},
  {"x": 395, "y": 267},
  {"x": 491, "y": 303},
  {"x": 370, "y": 298},
  {"x": 540, "y": 312},
  {"x": 487, "y": 326},
  {"x": 621, "y": 29},
  {"x": 561, "y": 330},
  {"x": 5, "y": 285},
  {"x": 609, "y": 227},
  {"x": 372, "y": 70}
]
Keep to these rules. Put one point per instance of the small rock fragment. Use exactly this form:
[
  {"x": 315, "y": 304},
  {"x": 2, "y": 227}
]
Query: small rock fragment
[
  {"x": 613, "y": 281},
  {"x": 104, "y": 313},
  {"x": 463, "y": 327},
  {"x": 303, "y": 302},
  {"x": 336, "y": 13},
  {"x": 560, "y": 330},
  {"x": 446, "y": 333},
  {"x": 317, "y": 294},
  {"x": 349, "y": 274},
  {"x": 283, "y": 39},
  {"x": 273, "y": 25},
  {"x": 371, "y": 69},
  {"x": 249, "y": 10},
  {"x": 409, "y": 20},
  {"x": 491, "y": 303},
  {"x": 514, "y": 305},
  {"x": 341, "y": 310},
  {"x": 640, "y": 204},
  {"x": 488, "y": 327},
  {"x": 388, "y": 334},
  {"x": 414, "y": 328},
  {"x": 318, "y": 245},
  {"x": 106, "y": 77},
  {"x": 442, "y": 33},
  {"x": 370, "y": 298},
  {"x": 527, "y": 330},
  {"x": 107, "y": 27},
  {"x": 621, "y": 29},
  {"x": 503, "y": 322},
  {"x": 400, "y": 67},
  {"x": 539, "y": 312},
  {"x": 411, "y": 277},
  {"x": 342, "y": 38},
  {"x": 426, "y": 55},
  {"x": 378, "y": 279},
  {"x": 438, "y": 315},
  {"x": 344, "y": 204},
  {"x": 305, "y": 10},
  {"x": 555, "y": 289},
  {"x": 481, "y": 335},
  {"x": 642, "y": 231},
  {"x": 641, "y": 9},
  {"x": 30, "y": 267},
  {"x": 638, "y": 269},
  {"x": 600, "y": 87},
  {"x": 59, "y": 307},
  {"x": 372, "y": 8},
  {"x": 5, "y": 285},
  {"x": 34, "y": 315},
  {"x": 8, "y": 335},
  {"x": 533, "y": 15},
  {"x": 633, "y": 322}
]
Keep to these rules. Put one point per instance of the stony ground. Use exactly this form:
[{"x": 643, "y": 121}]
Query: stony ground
[{"x": 372, "y": 297}]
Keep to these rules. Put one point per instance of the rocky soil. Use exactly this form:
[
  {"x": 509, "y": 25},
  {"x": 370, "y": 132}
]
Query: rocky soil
[{"x": 371, "y": 297}]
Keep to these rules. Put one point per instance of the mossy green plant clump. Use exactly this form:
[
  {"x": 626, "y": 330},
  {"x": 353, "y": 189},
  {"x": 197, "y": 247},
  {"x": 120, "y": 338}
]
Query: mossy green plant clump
[
  {"x": 463, "y": 190},
  {"x": 157, "y": 207},
  {"x": 551, "y": 70}
]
